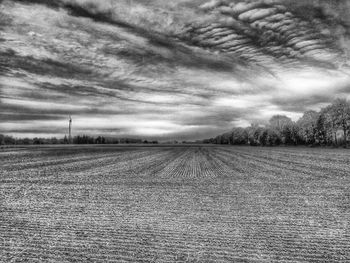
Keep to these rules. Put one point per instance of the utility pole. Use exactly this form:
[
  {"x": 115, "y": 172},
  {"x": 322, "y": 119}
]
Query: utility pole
[{"x": 70, "y": 130}]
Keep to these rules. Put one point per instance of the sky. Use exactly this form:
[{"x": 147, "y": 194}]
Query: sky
[{"x": 186, "y": 69}]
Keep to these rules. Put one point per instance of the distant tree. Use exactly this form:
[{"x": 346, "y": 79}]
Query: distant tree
[
  {"x": 100, "y": 140},
  {"x": 281, "y": 126},
  {"x": 38, "y": 141},
  {"x": 225, "y": 138},
  {"x": 9, "y": 140},
  {"x": 278, "y": 122},
  {"x": 54, "y": 140},
  {"x": 27, "y": 141},
  {"x": 254, "y": 132},
  {"x": 263, "y": 137},
  {"x": 308, "y": 127},
  {"x": 290, "y": 134},
  {"x": 77, "y": 139},
  {"x": 217, "y": 139},
  {"x": 250, "y": 130},
  {"x": 330, "y": 124},
  {"x": 239, "y": 136},
  {"x": 340, "y": 112},
  {"x": 89, "y": 140},
  {"x": 323, "y": 136},
  {"x": 273, "y": 138},
  {"x": 83, "y": 139}
]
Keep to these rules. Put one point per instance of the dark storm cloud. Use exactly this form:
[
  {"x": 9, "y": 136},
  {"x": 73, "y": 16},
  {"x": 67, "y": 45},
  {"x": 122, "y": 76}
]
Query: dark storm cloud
[{"x": 170, "y": 69}]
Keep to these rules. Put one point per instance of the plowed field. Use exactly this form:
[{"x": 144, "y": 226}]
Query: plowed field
[{"x": 174, "y": 204}]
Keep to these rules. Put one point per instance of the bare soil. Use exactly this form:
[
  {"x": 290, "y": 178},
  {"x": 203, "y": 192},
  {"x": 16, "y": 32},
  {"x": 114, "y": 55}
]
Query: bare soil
[{"x": 174, "y": 204}]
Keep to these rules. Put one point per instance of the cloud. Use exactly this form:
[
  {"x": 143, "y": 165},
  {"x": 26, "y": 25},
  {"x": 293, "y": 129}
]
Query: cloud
[
  {"x": 273, "y": 33},
  {"x": 179, "y": 69}
]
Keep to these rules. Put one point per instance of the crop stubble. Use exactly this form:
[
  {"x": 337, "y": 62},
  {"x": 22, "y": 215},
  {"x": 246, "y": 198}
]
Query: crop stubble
[{"x": 174, "y": 204}]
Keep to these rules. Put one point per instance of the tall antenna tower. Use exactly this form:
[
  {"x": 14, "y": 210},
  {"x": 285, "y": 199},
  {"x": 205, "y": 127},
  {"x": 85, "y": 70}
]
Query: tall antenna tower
[{"x": 70, "y": 130}]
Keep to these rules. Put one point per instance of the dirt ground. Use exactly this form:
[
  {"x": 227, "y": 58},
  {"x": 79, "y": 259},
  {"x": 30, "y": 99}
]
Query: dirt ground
[{"x": 174, "y": 204}]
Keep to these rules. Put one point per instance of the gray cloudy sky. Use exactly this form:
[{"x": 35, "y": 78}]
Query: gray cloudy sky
[{"x": 173, "y": 69}]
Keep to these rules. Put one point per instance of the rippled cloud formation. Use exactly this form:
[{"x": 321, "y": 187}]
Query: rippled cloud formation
[{"x": 167, "y": 69}]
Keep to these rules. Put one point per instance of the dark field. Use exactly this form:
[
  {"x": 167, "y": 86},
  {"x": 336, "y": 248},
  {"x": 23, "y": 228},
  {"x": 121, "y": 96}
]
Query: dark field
[{"x": 174, "y": 204}]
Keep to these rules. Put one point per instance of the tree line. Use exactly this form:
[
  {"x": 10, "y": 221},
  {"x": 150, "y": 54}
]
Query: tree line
[
  {"x": 79, "y": 139},
  {"x": 329, "y": 126}
]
